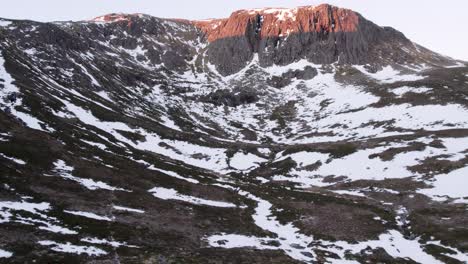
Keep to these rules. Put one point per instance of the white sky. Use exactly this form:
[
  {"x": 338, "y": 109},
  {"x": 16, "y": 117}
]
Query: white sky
[{"x": 437, "y": 25}]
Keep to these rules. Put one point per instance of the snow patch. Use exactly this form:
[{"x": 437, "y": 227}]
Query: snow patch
[
  {"x": 4, "y": 23},
  {"x": 114, "y": 244},
  {"x": 43, "y": 221},
  {"x": 171, "y": 194},
  {"x": 389, "y": 75},
  {"x": 238, "y": 241},
  {"x": 16, "y": 160},
  {"x": 4, "y": 253},
  {"x": 360, "y": 166},
  {"x": 90, "y": 215},
  {"x": 10, "y": 89},
  {"x": 245, "y": 162},
  {"x": 450, "y": 185},
  {"x": 170, "y": 173},
  {"x": 122, "y": 208},
  {"x": 280, "y": 13},
  {"x": 64, "y": 171},
  {"x": 406, "y": 89},
  {"x": 73, "y": 249}
]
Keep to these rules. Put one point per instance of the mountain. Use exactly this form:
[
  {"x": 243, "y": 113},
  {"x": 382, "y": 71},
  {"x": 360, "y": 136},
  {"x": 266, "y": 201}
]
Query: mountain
[
  {"x": 306, "y": 135},
  {"x": 321, "y": 34}
]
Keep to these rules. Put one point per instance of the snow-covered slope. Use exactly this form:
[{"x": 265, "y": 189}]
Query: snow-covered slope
[{"x": 124, "y": 138}]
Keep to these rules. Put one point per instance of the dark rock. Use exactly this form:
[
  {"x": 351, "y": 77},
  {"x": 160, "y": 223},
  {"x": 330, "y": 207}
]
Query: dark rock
[
  {"x": 12, "y": 97},
  {"x": 231, "y": 98},
  {"x": 285, "y": 79}
]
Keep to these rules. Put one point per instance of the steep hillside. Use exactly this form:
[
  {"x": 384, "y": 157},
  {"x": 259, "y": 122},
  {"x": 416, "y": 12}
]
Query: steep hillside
[{"x": 307, "y": 135}]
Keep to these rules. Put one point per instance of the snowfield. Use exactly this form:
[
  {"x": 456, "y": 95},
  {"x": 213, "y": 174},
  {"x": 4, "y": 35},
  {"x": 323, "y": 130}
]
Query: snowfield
[
  {"x": 171, "y": 194},
  {"x": 64, "y": 171},
  {"x": 450, "y": 185},
  {"x": 73, "y": 249}
]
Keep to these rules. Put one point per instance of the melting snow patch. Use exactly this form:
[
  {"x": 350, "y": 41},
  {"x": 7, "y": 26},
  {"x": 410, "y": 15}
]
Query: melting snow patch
[
  {"x": 121, "y": 208},
  {"x": 171, "y": 194},
  {"x": 290, "y": 240},
  {"x": 31, "y": 52},
  {"x": 174, "y": 174},
  {"x": 403, "y": 116},
  {"x": 450, "y": 185},
  {"x": 4, "y": 23},
  {"x": 406, "y": 89},
  {"x": 64, "y": 171},
  {"x": 3, "y": 253},
  {"x": 394, "y": 244},
  {"x": 200, "y": 156},
  {"x": 11, "y": 89},
  {"x": 19, "y": 161},
  {"x": 321, "y": 104},
  {"x": 349, "y": 192},
  {"x": 73, "y": 249},
  {"x": 58, "y": 229},
  {"x": 280, "y": 13},
  {"x": 4, "y": 136},
  {"x": 169, "y": 123},
  {"x": 241, "y": 161},
  {"x": 90, "y": 215},
  {"x": 95, "y": 144},
  {"x": 104, "y": 95},
  {"x": 115, "y": 244},
  {"x": 262, "y": 180},
  {"x": 358, "y": 165},
  {"x": 300, "y": 247},
  {"x": 209, "y": 158},
  {"x": 33, "y": 208},
  {"x": 463, "y": 257},
  {"x": 264, "y": 151},
  {"x": 389, "y": 75},
  {"x": 86, "y": 72},
  {"x": 37, "y": 209},
  {"x": 238, "y": 241},
  {"x": 29, "y": 120}
]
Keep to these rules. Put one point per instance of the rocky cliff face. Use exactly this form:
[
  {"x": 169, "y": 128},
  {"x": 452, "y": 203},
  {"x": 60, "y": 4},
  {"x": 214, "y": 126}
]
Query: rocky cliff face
[
  {"x": 280, "y": 22},
  {"x": 320, "y": 34}
]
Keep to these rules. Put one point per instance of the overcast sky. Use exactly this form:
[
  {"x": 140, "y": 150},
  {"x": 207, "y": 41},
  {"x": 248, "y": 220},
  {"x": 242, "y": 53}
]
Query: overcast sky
[{"x": 437, "y": 25}]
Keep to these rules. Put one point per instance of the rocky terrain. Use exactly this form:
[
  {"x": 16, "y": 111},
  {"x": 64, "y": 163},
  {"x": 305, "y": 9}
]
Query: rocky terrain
[{"x": 306, "y": 135}]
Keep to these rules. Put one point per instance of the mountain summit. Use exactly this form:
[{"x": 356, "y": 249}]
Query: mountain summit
[
  {"x": 304, "y": 135},
  {"x": 320, "y": 34},
  {"x": 280, "y": 22}
]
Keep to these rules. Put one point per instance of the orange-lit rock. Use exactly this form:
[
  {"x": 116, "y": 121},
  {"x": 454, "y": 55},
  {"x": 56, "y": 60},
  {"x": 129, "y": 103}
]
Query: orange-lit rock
[{"x": 281, "y": 22}]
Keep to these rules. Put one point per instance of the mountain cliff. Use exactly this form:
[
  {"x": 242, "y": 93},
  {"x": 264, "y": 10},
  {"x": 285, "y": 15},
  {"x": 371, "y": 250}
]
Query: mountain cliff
[{"x": 322, "y": 34}]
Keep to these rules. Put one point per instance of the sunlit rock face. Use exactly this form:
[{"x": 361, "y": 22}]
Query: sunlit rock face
[{"x": 321, "y": 34}]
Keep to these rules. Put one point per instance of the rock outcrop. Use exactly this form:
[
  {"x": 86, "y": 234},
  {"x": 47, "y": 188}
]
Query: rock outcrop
[
  {"x": 322, "y": 34},
  {"x": 280, "y": 22}
]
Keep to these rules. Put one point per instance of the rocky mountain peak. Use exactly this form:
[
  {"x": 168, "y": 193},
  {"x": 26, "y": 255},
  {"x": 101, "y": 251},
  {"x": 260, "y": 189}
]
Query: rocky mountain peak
[
  {"x": 280, "y": 22},
  {"x": 322, "y": 34}
]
